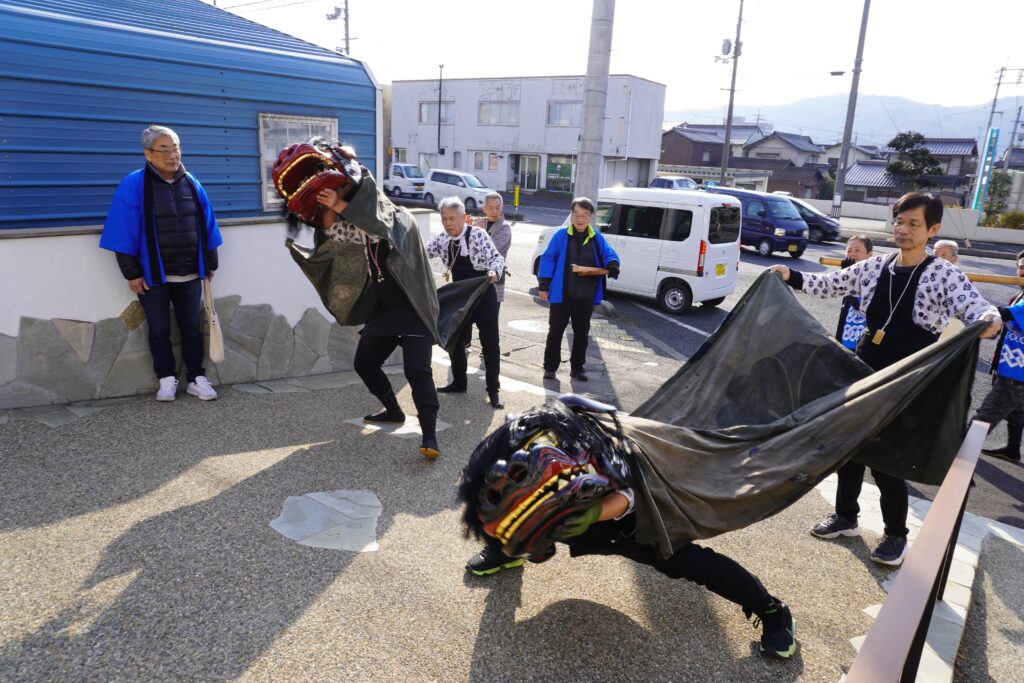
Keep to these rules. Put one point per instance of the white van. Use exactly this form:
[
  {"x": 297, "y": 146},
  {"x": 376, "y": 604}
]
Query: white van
[
  {"x": 679, "y": 247},
  {"x": 442, "y": 183},
  {"x": 404, "y": 180}
]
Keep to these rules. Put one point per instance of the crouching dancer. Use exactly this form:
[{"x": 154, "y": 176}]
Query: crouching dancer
[
  {"x": 907, "y": 298},
  {"x": 564, "y": 472}
]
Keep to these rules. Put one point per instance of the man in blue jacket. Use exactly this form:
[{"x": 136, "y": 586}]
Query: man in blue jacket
[
  {"x": 164, "y": 233},
  {"x": 572, "y": 274}
]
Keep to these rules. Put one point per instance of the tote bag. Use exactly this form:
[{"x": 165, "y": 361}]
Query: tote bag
[{"x": 216, "y": 351}]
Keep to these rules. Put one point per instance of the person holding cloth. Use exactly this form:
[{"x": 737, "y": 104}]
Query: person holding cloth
[
  {"x": 907, "y": 298},
  {"x": 571, "y": 279}
]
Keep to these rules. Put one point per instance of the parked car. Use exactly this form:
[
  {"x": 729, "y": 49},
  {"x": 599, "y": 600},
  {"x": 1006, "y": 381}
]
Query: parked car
[
  {"x": 404, "y": 180},
  {"x": 442, "y": 183},
  {"x": 820, "y": 226},
  {"x": 783, "y": 193},
  {"x": 677, "y": 247},
  {"x": 673, "y": 183},
  {"x": 770, "y": 223}
]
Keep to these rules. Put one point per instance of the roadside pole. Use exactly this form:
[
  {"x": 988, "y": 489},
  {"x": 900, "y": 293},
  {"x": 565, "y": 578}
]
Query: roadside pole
[
  {"x": 851, "y": 109},
  {"x": 588, "y": 172}
]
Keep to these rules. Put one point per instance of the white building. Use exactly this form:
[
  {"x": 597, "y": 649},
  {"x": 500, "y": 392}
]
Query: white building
[{"x": 525, "y": 131}]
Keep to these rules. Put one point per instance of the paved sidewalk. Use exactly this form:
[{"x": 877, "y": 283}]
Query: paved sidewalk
[{"x": 137, "y": 545}]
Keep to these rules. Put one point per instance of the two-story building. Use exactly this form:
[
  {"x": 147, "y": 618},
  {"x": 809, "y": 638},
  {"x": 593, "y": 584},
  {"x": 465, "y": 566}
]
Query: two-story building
[
  {"x": 958, "y": 161},
  {"x": 525, "y": 131},
  {"x": 687, "y": 147},
  {"x": 799, "y": 149}
]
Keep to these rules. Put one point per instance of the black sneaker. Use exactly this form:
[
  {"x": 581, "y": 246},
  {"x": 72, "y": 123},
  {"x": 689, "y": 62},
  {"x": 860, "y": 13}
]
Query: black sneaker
[
  {"x": 495, "y": 400},
  {"x": 778, "y": 637},
  {"x": 549, "y": 374},
  {"x": 890, "y": 550},
  {"x": 836, "y": 525},
  {"x": 386, "y": 416},
  {"x": 453, "y": 388},
  {"x": 491, "y": 560},
  {"x": 579, "y": 376},
  {"x": 1003, "y": 453}
]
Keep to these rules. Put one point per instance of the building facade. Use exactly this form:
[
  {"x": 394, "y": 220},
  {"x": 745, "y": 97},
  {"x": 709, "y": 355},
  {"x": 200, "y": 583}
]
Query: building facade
[{"x": 526, "y": 131}]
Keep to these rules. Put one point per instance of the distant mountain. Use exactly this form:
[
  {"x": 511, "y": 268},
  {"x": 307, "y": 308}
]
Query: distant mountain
[{"x": 878, "y": 118}]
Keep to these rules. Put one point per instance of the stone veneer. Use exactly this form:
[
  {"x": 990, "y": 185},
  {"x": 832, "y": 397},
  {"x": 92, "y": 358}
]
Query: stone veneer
[{"x": 61, "y": 361}]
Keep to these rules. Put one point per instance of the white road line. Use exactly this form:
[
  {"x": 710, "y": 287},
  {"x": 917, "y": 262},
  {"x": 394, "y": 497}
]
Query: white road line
[{"x": 674, "y": 321}]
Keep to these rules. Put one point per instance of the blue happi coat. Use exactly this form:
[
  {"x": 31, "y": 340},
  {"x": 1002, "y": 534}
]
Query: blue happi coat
[{"x": 1011, "y": 350}]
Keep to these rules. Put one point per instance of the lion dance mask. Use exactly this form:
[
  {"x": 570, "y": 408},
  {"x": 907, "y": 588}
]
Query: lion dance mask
[
  {"x": 544, "y": 467},
  {"x": 303, "y": 170}
]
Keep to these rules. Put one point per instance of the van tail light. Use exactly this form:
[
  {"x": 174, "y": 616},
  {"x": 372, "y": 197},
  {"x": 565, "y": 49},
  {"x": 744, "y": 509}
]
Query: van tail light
[
  {"x": 700, "y": 258},
  {"x": 739, "y": 253}
]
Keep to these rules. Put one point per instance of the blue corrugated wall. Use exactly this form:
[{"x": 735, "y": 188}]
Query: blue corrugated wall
[{"x": 80, "y": 80}]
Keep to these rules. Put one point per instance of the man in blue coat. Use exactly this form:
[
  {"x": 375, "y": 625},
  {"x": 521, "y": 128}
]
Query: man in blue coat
[
  {"x": 572, "y": 278},
  {"x": 164, "y": 233}
]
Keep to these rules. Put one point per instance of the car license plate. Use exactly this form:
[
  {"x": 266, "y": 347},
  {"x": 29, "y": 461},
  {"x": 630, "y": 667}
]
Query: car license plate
[
  {"x": 719, "y": 270},
  {"x": 792, "y": 247}
]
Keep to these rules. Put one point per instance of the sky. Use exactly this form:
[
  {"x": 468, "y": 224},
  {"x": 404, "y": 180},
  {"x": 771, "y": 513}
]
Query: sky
[{"x": 944, "y": 52}]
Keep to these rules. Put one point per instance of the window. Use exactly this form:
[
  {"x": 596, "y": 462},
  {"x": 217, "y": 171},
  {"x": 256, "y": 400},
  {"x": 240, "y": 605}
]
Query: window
[
  {"x": 706, "y": 155},
  {"x": 725, "y": 224},
  {"x": 783, "y": 209},
  {"x": 427, "y": 161},
  {"x": 756, "y": 209},
  {"x": 498, "y": 114},
  {"x": 478, "y": 161},
  {"x": 767, "y": 155},
  {"x": 677, "y": 227},
  {"x": 559, "y": 173},
  {"x": 278, "y": 131},
  {"x": 661, "y": 182},
  {"x": 398, "y": 155},
  {"x": 492, "y": 162},
  {"x": 640, "y": 221},
  {"x": 565, "y": 113},
  {"x": 457, "y": 160},
  {"x": 428, "y": 112},
  {"x": 604, "y": 219}
]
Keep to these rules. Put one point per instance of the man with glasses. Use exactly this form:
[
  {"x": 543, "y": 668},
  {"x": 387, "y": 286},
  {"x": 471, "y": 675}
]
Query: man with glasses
[{"x": 164, "y": 233}]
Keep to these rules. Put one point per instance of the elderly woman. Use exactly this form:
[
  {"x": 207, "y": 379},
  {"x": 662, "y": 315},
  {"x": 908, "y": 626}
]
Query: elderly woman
[{"x": 468, "y": 252}]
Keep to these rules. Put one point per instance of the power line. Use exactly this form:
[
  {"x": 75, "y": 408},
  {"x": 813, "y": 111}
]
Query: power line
[
  {"x": 287, "y": 4},
  {"x": 246, "y": 4}
]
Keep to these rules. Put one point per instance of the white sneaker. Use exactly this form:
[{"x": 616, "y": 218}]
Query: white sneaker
[
  {"x": 201, "y": 389},
  {"x": 168, "y": 388}
]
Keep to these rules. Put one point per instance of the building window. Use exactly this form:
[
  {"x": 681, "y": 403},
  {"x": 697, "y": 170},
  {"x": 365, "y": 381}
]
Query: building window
[
  {"x": 457, "y": 161},
  {"x": 398, "y": 155},
  {"x": 478, "y": 161},
  {"x": 706, "y": 155},
  {"x": 492, "y": 162},
  {"x": 498, "y": 114},
  {"x": 767, "y": 155},
  {"x": 428, "y": 112},
  {"x": 565, "y": 113},
  {"x": 559, "y": 173},
  {"x": 427, "y": 161},
  {"x": 278, "y": 131}
]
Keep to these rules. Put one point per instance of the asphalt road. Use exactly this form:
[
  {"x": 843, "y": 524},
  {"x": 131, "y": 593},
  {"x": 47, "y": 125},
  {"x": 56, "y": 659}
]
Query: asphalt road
[{"x": 639, "y": 347}]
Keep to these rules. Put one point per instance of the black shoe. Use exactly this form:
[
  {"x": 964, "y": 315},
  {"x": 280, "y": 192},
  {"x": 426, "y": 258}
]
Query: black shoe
[
  {"x": 890, "y": 550},
  {"x": 452, "y": 388},
  {"x": 549, "y": 374},
  {"x": 579, "y": 376},
  {"x": 494, "y": 400},
  {"x": 491, "y": 560},
  {"x": 835, "y": 525},
  {"x": 429, "y": 449},
  {"x": 390, "y": 416},
  {"x": 778, "y": 637},
  {"x": 1004, "y": 453}
]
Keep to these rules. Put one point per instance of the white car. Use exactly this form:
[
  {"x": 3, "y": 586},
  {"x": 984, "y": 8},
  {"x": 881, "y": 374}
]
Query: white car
[
  {"x": 673, "y": 183},
  {"x": 442, "y": 183}
]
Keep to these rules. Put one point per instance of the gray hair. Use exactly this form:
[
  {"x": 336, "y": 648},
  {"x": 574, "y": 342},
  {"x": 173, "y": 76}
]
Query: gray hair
[
  {"x": 154, "y": 133},
  {"x": 451, "y": 203},
  {"x": 494, "y": 195},
  {"x": 948, "y": 243}
]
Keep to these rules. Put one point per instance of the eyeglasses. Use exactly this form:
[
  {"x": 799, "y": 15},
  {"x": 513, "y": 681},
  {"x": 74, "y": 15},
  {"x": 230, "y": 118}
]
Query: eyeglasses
[{"x": 166, "y": 151}]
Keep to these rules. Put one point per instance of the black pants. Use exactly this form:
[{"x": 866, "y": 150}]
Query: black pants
[
  {"x": 893, "y": 498},
  {"x": 579, "y": 313},
  {"x": 1004, "y": 402},
  {"x": 157, "y": 302},
  {"x": 372, "y": 352},
  {"x": 485, "y": 317}
]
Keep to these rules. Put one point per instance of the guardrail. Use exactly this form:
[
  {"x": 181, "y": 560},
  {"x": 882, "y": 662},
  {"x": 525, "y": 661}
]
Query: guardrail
[{"x": 892, "y": 649}]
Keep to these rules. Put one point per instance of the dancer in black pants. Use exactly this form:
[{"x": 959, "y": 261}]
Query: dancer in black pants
[
  {"x": 392, "y": 323},
  {"x": 908, "y": 298},
  {"x": 468, "y": 252}
]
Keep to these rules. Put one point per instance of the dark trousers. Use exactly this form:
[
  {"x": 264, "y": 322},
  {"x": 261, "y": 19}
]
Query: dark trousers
[
  {"x": 893, "y": 497},
  {"x": 718, "y": 573},
  {"x": 1004, "y": 402},
  {"x": 372, "y": 352},
  {"x": 485, "y": 317},
  {"x": 559, "y": 315},
  {"x": 157, "y": 302}
]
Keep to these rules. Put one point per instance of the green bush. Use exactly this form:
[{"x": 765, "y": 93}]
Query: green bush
[{"x": 1012, "y": 219}]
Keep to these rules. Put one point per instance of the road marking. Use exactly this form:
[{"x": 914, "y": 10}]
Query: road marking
[{"x": 673, "y": 320}]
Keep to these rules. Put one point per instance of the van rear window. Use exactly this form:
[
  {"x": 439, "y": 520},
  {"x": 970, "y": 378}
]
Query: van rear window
[{"x": 725, "y": 224}]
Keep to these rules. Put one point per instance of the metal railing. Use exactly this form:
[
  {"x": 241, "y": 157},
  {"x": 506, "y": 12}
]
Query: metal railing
[{"x": 892, "y": 649}]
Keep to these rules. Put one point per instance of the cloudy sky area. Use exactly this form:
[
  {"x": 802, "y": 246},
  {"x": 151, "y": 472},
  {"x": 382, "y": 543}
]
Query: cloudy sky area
[{"x": 942, "y": 52}]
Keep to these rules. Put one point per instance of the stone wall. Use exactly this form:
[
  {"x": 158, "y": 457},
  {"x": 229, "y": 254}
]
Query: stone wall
[{"x": 59, "y": 361}]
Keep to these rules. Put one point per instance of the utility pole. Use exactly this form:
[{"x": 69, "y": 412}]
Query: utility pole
[
  {"x": 851, "y": 110},
  {"x": 595, "y": 97},
  {"x": 727, "y": 145},
  {"x": 1009, "y": 146},
  {"x": 440, "y": 82},
  {"x": 342, "y": 13},
  {"x": 991, "y": 114}
]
